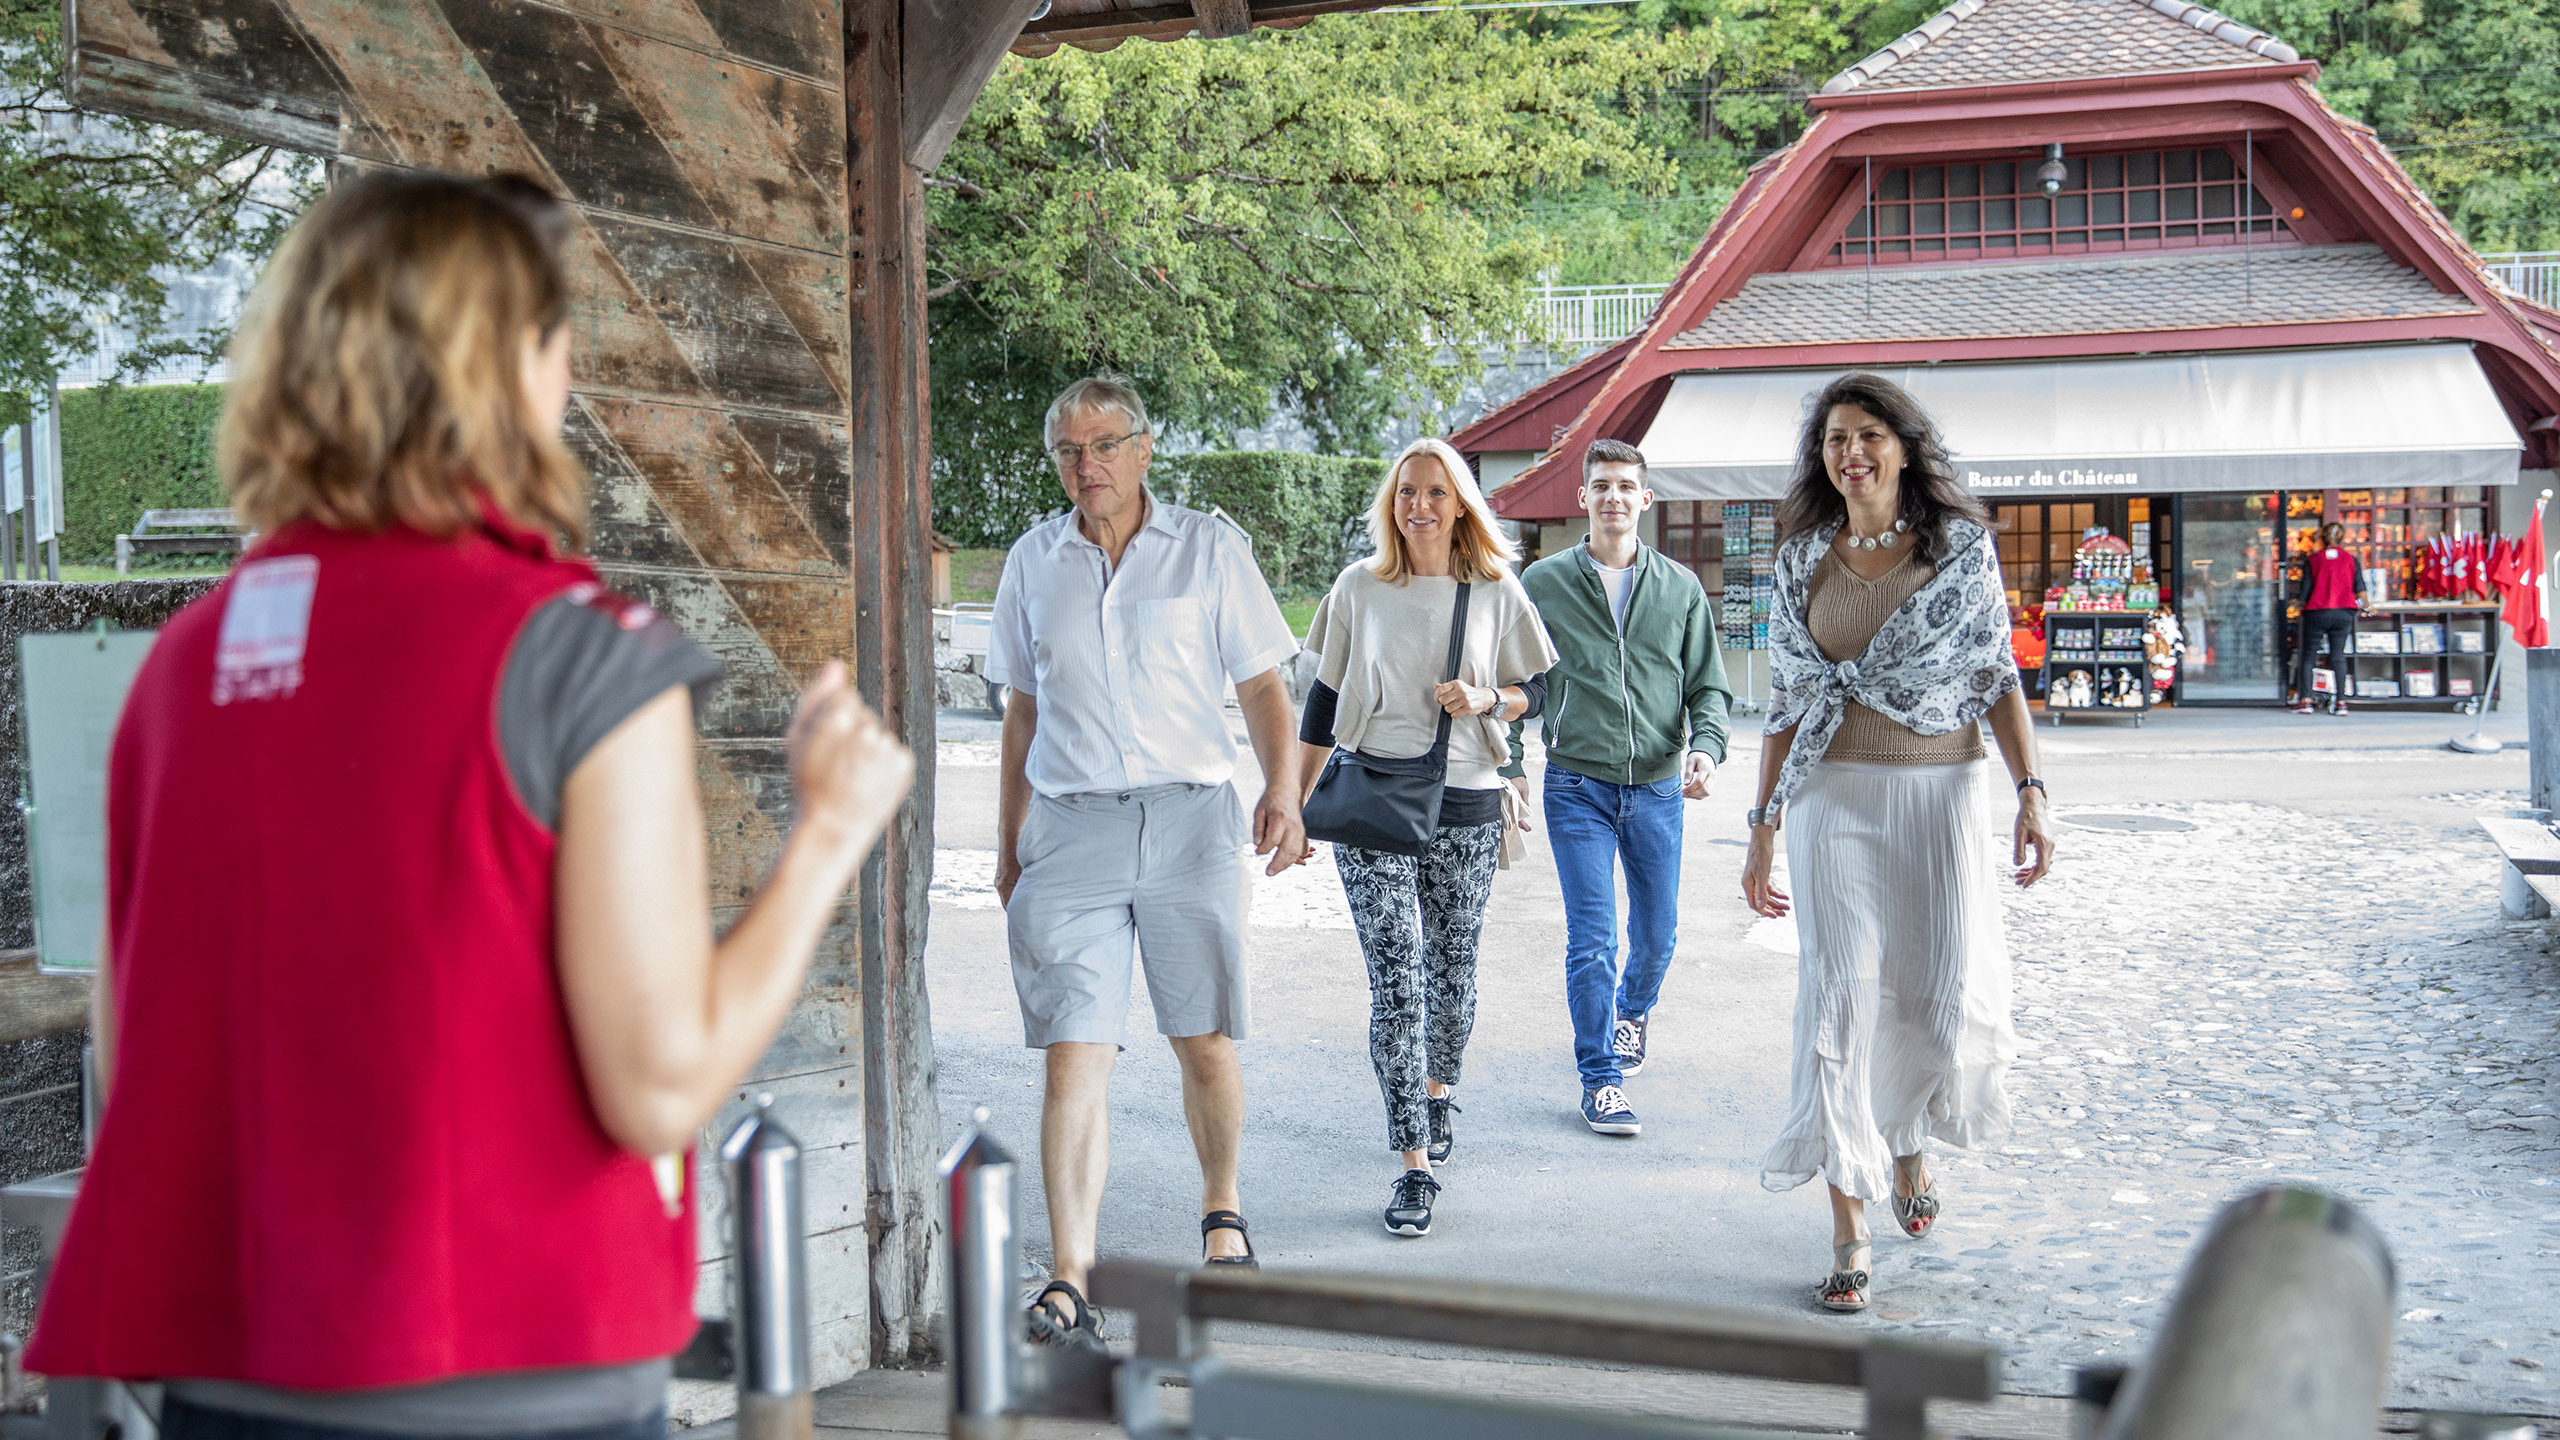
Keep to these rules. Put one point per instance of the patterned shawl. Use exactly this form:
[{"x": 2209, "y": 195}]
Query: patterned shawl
[{"x": 1937, "y": 662}]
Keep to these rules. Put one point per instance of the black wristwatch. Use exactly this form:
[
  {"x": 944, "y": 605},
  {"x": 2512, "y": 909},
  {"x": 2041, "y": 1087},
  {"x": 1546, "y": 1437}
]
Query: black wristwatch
[
  {"x": 1758, "y": 816},
  {"x": 2039, "y": 784}
]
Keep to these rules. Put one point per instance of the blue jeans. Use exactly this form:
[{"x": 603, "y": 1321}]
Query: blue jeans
[{"x": 1595, "y": 827}]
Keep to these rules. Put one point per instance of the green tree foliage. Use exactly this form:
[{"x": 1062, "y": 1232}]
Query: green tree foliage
[
  {"x": 2467, "y": 92},
  {"x": 1292, "y": 220},
  {"x": 1296, "y": 507},
  {"x": 91, "y": 208},
  {"x": 131, "y": 448}
]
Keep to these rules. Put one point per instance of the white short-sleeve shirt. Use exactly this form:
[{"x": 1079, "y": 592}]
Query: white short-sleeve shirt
[{"x": 1129, "y": 668}]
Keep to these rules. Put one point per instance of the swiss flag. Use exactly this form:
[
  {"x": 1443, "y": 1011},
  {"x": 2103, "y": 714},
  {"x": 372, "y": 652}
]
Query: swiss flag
[{"x": 2524, "y": 611}]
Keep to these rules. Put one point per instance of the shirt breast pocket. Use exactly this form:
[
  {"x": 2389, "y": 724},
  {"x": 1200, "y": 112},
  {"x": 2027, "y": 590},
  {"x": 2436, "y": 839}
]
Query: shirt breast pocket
[{"x": 1171, "y": 637}]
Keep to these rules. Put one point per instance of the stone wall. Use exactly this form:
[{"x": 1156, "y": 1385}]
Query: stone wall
[{"x": 41, "y": 1035}]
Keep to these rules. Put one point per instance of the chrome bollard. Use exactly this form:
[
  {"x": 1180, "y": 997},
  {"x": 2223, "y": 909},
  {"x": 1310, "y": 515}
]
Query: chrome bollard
[
  {"x": 770, "y": 1295},
  {"x": 2281, "y": 1329},
  {"x": 980, "y": 1223}
]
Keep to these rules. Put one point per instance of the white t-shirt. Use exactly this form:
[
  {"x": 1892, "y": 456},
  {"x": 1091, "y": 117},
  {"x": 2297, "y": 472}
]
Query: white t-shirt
[{"x": 1620, "y": 584}]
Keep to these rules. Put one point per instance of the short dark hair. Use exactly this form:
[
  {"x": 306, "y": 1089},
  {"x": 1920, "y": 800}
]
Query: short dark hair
[
  {"x": 1613, "y": 452},
  {"x": 1931, "y": 493}
]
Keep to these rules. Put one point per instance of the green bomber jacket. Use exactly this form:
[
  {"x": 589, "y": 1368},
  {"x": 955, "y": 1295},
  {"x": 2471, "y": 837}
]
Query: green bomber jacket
[{"x": 1623, "y": 707}]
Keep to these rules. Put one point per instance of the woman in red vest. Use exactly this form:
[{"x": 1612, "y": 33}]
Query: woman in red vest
[
  {"x": 411, "y": 1003},
  {"x": 2331, "y": 593}
]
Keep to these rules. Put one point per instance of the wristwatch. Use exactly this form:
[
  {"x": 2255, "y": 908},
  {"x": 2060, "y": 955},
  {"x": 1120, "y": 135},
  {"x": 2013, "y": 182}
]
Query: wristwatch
[
  {"x": 2039, "y": 784},
  {"x": 1759, "y": 815}
]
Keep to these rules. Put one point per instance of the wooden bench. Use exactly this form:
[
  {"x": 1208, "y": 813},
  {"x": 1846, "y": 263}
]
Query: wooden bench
[
  {"x": 2533, "y": 865},
  {"x": 180, "y": 532}
]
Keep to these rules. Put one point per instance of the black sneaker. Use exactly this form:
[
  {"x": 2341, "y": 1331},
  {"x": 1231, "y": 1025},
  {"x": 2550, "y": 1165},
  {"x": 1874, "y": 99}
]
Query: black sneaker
[
  {"x": 1628, "y": 1040},
  {"x": 1606, "y": 1111},
  {"x": 1442, "y": 1136},
  {"x": 1409, "y": 1210}
]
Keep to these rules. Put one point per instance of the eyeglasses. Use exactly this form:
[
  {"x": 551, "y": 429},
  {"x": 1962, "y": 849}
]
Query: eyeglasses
[{"x": 1070, "y": 455}]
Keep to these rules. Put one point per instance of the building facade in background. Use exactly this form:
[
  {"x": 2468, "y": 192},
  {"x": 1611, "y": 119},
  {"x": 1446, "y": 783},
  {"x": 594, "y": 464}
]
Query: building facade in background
[{"x": 2146, "y": 279}]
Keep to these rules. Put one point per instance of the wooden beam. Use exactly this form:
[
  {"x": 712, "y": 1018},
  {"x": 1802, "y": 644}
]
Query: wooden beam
[
  {"x": 1223, "y": 19},
  {"x": 947, "y": 51},
  {"x": 32, "y": 1004},
  {"x": 891, "y": 498}
]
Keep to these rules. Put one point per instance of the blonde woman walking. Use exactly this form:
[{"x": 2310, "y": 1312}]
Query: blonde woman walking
[
  {"x": 1430, "y": 646},
  {"x": 1889, "y": 643}
]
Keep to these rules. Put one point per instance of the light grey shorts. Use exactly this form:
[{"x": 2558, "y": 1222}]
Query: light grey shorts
[{"x": 1108, "y": 877}]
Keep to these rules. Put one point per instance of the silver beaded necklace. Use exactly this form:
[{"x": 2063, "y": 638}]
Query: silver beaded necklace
[{"x": 1885, "y": 541}]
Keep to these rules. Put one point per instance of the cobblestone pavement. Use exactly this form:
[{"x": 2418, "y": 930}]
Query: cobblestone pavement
[
  {"x": 2267, "y": 997},
  {"x": 2292, "y": 967}
]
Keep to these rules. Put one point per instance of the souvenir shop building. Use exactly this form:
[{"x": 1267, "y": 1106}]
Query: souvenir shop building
[{"x": 2147, "y": 280}]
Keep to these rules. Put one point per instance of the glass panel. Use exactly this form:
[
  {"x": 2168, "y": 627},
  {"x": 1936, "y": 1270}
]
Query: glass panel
[
  {"x": 2106, "y": 172},
  {"x": 2228, "y": 596},
  {"x": 1896, "y": 185},
  {"x": 1999, "y": 179},
  {"x": 2082, "y": 517},
  {"x": 2464, "y": 492},
  {"x": 2180, "y": 167},
  {"x": 1929, "y": 219},
  {"x": 2218, "y": 202},
  {"x": 2390, "y": 497},
  {"x": 2145, "y": 232},
  {"x": 2071, "y": 210},
  {"x": 2143, "y": 169},
  {"x": 2217, "y": 164},
  {"x": 2143, "y": 205},
  {"x": 1965, "y": 218},
  {"x": 1893, "y": 219},
  {"x": 2070, "y": 237},
  {"x": 2075, "y": 174},
  {"x": 2186, "y": 232},
  {"x": 2035, "y": 213},
  {"x": 2000, "y": 242},
  {"x": 2427, "y": 525},
  {"x": 1928, "y": 247},
  {"x": 2057, "y": 546},
  {"x": 1965, "y": 242},
  {"x": 2182, "y": 204},
  {"x": 1999, "y": 214},
  {"x": 2109, "y": 209},
  {"x": 2428, "y": 494},
  {"x": 1964, "y": 180},
  {"x": 1858, "y": 225}
]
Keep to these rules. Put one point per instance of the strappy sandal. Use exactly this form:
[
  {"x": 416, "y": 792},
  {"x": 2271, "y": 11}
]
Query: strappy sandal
[
  {"x": 1845, "y": 1288},
  {"x": 1050, "y": 1326},
  {"x": 1917, "y": 1214},
  {"x": 1227, "y": 1220}
]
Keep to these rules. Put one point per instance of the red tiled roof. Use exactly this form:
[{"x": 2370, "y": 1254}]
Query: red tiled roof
[
  {"x": 2097, "y": 295},
  {"x": 2003, "y": 42}
]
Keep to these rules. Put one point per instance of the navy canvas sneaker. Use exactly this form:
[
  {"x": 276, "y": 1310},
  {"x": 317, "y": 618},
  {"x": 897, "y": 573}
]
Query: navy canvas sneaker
[
  {"x": 1444, "y": 1136},
  {"x": 1627, "y": 1039},
  {"x": 1606, "y": 1111},
  {"x": 1409, "y": 1209}
]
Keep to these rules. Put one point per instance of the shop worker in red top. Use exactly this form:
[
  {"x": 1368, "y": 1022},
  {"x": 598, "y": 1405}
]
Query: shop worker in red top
[
  {"x": 2331, "y": 592},
  {"x": 410, "y": 1003}
]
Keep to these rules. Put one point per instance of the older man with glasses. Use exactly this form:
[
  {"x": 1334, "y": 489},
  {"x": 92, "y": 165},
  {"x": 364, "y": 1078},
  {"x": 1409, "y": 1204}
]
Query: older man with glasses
[{"x": 1118, "y": 627}]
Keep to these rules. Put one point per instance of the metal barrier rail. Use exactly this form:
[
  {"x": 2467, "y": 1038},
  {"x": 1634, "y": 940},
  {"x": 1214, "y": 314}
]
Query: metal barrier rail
[{"x": 997, "y": 1378}]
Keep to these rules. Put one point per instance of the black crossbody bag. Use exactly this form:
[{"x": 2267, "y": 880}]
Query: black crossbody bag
[{"x": 1379, "y": 802}]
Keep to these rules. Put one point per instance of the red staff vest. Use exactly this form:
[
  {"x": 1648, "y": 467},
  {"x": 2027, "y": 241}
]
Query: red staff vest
[
  {"x": 2333, "y": 580},
  {"x": 347, "y": 1142}
]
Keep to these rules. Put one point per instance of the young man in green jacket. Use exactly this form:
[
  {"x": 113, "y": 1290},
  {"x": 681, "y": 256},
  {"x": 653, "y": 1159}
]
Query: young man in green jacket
[{"x": 1634, "y": 721}]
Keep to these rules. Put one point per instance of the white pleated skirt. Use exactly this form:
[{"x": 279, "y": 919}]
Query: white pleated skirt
[{"x": 1902, "y": 986}]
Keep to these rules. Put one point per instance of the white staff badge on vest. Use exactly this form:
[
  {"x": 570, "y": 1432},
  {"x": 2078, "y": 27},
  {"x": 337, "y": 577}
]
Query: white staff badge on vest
[{"x": 265, "y": 623}]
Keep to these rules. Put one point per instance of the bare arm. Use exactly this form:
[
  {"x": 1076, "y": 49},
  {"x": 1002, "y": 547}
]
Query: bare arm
[
  {"x": 1764, "y": 897},
  {"x": 1013, "y": 788},
  {"x": 1277, "y": 830},
  {"x": 102, "y": 1017},
  {"x": 666, "y": 1021},
  {"x": 2015, "y": 731}
]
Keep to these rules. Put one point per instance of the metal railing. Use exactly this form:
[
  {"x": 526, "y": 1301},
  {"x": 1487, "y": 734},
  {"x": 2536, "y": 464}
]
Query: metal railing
[
  {"x": 1588, "y": 317},
  {"x": 2533, "y": 274}
]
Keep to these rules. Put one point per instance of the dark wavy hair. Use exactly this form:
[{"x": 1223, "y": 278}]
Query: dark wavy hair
[{"x": 1931, "y": 493}]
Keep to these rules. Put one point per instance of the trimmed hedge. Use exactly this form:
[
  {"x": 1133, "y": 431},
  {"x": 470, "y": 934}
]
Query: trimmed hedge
[
  {"x": 129, "y": 449},
  {"x": 1296, "y": 507}
]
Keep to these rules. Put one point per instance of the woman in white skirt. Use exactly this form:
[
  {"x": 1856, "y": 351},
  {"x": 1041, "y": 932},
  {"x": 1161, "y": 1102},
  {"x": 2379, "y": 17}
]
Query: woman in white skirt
[{"x": 1889, "y": 643}]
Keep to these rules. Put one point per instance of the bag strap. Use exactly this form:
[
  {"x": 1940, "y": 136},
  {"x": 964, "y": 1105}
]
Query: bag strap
[{"x": 1457, "y": 650}]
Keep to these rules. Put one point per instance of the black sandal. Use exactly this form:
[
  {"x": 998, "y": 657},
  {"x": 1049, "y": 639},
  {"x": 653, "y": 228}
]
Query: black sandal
[
  {"x": 1227, "y": 1220},
  {"x": 1050, "y": 1326}
]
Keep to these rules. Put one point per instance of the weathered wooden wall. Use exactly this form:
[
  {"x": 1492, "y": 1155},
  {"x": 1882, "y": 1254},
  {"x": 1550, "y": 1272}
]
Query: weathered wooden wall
[{"x": 750, "y": 402}]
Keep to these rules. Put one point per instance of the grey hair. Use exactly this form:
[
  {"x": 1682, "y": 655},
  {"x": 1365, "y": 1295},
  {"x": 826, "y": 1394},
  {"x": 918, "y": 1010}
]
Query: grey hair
[{"x": 1096, "y": 392}]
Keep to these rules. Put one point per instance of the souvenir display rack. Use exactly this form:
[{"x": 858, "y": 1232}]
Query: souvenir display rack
[
  {"x": 2423, "y": 653},
  {"x": 1750, "y": 573},
  {"x": 2094, "y": 663}
]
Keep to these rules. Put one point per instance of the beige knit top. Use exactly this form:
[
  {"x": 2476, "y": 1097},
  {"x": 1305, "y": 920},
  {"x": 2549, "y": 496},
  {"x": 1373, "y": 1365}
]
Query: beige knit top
[{"x": 1844, "y": 611}]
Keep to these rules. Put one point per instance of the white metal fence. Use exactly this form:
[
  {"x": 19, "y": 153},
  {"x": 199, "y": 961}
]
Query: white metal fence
[
  {"x": 1587, "y": 317},
  {"x": 2533, "y": 274}
]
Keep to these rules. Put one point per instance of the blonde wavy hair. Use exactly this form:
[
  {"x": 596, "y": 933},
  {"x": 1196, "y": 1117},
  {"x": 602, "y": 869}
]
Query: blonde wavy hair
[
  {"x": 1478, "y": 550},
  {"x": 377, "y": 378}
]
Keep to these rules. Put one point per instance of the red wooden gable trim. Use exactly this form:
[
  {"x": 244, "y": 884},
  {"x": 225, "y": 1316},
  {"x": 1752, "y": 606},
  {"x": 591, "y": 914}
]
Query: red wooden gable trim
[{"x": 2349, "y": 185}]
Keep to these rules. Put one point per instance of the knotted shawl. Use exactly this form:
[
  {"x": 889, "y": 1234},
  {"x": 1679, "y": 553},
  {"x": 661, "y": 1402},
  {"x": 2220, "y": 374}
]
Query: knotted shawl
[{"x": 1938, "y": 662}]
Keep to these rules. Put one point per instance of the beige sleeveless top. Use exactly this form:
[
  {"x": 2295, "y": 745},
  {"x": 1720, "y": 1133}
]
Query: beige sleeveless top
[{"x": 1844, "y": 611}]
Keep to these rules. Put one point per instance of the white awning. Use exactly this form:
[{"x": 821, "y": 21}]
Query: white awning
[{"x": 2269, "y": 420}]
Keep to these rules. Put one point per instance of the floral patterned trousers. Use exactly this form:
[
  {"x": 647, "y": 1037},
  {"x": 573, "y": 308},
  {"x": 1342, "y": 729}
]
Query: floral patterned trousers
[{"x": 1418, "y": 918}]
